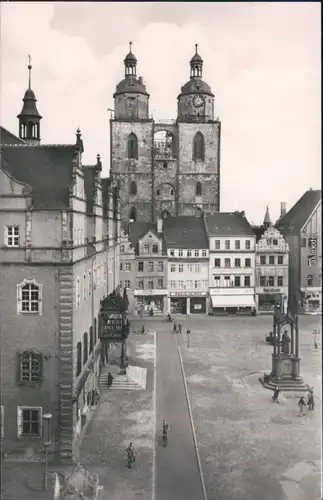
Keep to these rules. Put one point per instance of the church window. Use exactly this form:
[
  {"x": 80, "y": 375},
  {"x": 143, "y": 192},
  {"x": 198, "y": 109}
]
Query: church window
[
  {"x": 198, "y": 190},
  {"x": 198, "y": 147},
  {"x": 133, "y": 188},
  {"x": 158, "y": 192},
  {"x": 133, "y": 214},
  {"x": 165, "y": 164},
  {"x": 132, "y": 146},
  {"x": 172, "y": 191}
]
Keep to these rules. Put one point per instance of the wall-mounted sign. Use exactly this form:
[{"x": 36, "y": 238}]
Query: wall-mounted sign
[
  {"x": 188, "y": 294},
  {"x": 232, "y": 291},
  {"x": 313, "y": 247},
  {"x": 144, "y": 293},
  {"x": 272, "y": 290}
]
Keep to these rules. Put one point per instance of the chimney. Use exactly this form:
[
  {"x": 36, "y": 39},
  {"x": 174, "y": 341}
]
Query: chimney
[
  {"x": 283, "y": 208},
  {"x": 159, "y": 225}
]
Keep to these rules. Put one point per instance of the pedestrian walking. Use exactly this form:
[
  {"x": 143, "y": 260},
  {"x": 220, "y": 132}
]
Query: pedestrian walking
[
  {"x": 310, "y": 400},
  {"x": 110, "y": 379},
  {"x": 276, "y": 394},
  {"x": 301, "y": 405},
  {"x": 179, "y": 328},
  {"x": 143, "y": 329},
  {"x": 130, "y": 455},
  {"x": 175, "y": 328}
]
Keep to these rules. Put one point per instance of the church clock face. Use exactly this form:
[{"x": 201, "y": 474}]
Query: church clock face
[{"x": 198, "y": 101}]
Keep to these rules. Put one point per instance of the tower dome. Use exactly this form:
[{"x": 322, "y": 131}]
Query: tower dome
[
  {"x": 29, "y": 117},
  {"x": 128, "y": 105},
  {"x": 196, "y": 100}
]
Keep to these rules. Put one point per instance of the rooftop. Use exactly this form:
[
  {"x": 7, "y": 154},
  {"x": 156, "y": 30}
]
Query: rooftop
[
  {"x": 296, "y": 217},
  {"x": 228, "y": 224},
  {"x": 185, "y": 231},
  {"x": 7, "y": 138}
]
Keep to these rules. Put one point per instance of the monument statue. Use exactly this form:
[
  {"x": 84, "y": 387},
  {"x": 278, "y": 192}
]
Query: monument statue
[{"x": 285, "y": 342}]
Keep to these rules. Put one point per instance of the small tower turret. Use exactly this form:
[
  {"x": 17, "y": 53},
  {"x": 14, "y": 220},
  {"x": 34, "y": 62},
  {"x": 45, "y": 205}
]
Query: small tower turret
[
  {"x": 29, "y": 118},
  {"x": 267, "y": 220}
]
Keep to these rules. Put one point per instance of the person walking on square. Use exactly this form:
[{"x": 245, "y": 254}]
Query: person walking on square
[
  {"x": 110, "y": 379},
  {"x": 179, "y": 328},
  {"x": 301, "y": 405},
  {"x": 310, "y": 400},
  {"x": 276, "y": 394},
  {"x": 175, "y": 328}
]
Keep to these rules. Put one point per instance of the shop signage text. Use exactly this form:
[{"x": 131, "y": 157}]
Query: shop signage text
[
  {"x": 231, "y": 291},
  {"x": 144, "y": 293},
  {"x": 188, "y": 294},
  {"x": 313, "y": 247},
  {"x": 272, "y": 290}
]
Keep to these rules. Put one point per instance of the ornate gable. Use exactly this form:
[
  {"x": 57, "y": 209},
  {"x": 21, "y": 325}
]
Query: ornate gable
[{"x": 272, "y": 240}]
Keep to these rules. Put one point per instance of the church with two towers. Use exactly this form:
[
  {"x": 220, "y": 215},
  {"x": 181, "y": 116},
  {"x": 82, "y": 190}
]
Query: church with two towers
[{"x": 165, "y": 167}]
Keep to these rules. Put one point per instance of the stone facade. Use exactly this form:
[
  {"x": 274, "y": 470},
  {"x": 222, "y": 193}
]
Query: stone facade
[
  {"x": 69, "y": 258},
  {"x": 171, "y": 166}
]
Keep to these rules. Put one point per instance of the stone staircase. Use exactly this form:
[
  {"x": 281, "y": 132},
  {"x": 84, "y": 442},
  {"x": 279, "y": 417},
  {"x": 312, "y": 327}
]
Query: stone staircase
[{"x": 134, "y": 380}]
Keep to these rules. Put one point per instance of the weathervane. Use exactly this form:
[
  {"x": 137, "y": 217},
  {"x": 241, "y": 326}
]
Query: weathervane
[{"x": 29, "y": 69}]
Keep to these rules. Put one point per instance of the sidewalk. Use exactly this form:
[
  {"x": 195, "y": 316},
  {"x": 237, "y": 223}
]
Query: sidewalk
[{"x": 123, "y": 416}]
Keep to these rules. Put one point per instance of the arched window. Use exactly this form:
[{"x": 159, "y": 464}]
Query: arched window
[
  {"x": 85, "y": 348},
  {"x": 133, "y": 214},
  {"x": 133, "y": 146},
  {"x": 133, "y": 188},
  {"x": 198, "y": 189},
  {"x": 91, "y": 340},
  {"x": 78, "y": 358},
  {"x": 29, "y": 297},
  {"x": 198, "y": 147}
]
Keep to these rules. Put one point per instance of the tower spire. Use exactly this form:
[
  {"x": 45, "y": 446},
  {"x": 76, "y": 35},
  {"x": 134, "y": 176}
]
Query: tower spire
[
  {"x": 196, "y": 64},
  {"x": 29, "y": 69},
  {"x": 130, "y": 63},
  {"x": 196, "y": 47},
  {"x": 267, "y": 220}
]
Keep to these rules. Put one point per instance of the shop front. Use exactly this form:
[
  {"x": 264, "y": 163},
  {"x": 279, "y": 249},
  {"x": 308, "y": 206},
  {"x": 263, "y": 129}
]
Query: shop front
[
  {"x": 232, "y": 301},
  {"x": 311, "y": 300},
  {"x": 268, "y": 297},
  {"x": 150, "y": 302},
  {"x": 188, "y": 302}
]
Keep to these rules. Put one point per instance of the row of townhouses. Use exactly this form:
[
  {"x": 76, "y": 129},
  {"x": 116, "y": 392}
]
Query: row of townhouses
[
  {"x": 219, "y": 264},
  {"x": 59, "y": 257}
]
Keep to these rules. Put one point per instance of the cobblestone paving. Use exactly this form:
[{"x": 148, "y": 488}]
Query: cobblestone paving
[
  {"x": 251, "y": 448},
  {"x": 121, "y": 417}
]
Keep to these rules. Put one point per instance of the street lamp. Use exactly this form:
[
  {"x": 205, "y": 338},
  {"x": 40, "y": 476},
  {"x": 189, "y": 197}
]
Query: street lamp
[{"x": 47, "y": 433}]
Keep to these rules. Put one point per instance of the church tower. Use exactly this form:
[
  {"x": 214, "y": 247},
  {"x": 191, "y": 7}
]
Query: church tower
[
  {"x": 29, "y": 118},
  {"x": 199, "y": 132},
  {"x": 131, "y": 136}
]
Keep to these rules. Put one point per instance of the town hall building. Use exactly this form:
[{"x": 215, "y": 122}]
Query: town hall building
[{"x": 165, "y": 168}]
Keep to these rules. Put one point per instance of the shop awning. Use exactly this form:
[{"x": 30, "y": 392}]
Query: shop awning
[{"x": 232, "y": 301}]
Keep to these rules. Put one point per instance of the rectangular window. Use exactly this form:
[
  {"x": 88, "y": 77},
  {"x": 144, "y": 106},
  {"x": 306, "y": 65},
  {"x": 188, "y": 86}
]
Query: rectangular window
[
  {"x": 271, "y": 260},
  {"x": 197, "y": 268},
  {"x": 204, "y": 253},
  {"x": 311, "y": 260},
  {"x": 217, "y": 262},
  {"x": 29, "y": 421},
  {"x": 280, "y": 281},
  {"x": 262, "y": 281},
  {"x": 121, "y": 248},
  {"x": 127, "y": 284},
  {"x": 247, "y": 281},
  {"x": 128, "y": 266},
  {"x": 196, "y": 253},
  {"x": 146, "y": 248},
  {"x": 262, "y": 260},
  {"x": 310, "y": 280},
  {"x": 216, "y": 280},
  {"x": 140, "y": 267},
  {"x": 12, "y": 236},
  {"x": 172, "y": 252},
  {"x": 172, "y": 284},
  {"x": 121, "y": 284},
  {"x": 180, "y": 284},
  {"x": 247, "y": 263},
  {"x": 271, "y": 280},
  {"x": 180, "y": 268},
  {"x": 247, "y": 244},
  {"x": 227, "y": 281},
  {"x": 155, "y": 248},
  {"x": 196, "y": 284},
  {"x": 280, "y": 260},
  {"x": 237, "y": 281},
  {"x": 160, "y": 267},
  {"x": 217, "y": 244},
  {"x": 237, "y": 244},
  {"x": 160, "y": 283},
  {"x": 189, "y": 253},
  {"x": 78, "y": 293},
  {"x": 30, "y": 366},
  {"x": 121, "y": 266},
  {"x": 180, "y": 252},
  {"x": 150, "y": 268},
  {"x": 227, "y": 244},
  {"x": 141, "y": 284},
  {"x": 275, "y": 242},
  {"x": 303, "y": 243},
  {"x": 227, "y": 262},
  {"x": 237, "y": 262},
  {"x": 190, "y": 268},
  {"x": 172, "y": 268}
]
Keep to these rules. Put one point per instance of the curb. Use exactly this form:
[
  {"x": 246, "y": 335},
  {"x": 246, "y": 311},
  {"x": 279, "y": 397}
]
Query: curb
[{"x": 192, "y": 424}]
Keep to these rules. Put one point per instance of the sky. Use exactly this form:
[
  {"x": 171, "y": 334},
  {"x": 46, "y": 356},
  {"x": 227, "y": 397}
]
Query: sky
[{"x": 262, "y": 61}]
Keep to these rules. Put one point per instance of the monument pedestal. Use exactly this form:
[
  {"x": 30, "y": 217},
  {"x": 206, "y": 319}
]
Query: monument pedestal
[{"x": 285, "y": 374}]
